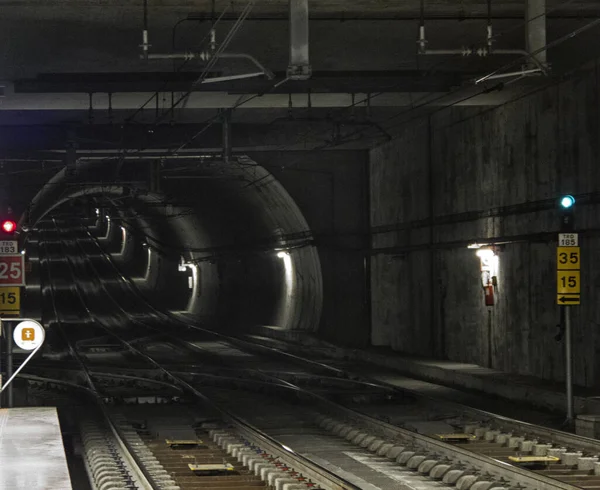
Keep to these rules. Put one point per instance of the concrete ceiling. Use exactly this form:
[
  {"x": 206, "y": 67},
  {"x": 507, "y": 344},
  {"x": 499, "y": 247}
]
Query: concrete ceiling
[
  {"x": 366, "y": 69},
  {"x": 466, "y": 8}
]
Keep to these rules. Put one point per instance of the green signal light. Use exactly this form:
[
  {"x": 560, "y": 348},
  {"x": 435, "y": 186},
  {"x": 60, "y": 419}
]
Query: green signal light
[{"x": 567, "y": 202}]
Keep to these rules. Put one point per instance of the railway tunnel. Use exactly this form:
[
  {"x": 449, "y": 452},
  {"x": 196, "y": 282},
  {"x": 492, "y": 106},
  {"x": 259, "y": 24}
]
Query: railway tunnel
[
  {"x": 299, "y": 245},
  {"x": 216, "y": 241}
]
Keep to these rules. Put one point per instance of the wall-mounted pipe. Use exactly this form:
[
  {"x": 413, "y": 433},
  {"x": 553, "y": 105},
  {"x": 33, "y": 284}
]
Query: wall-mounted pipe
[
  {"x": 299, "y": 66},
  {"x": 448, "y": 52},
  {"x": 207, "y": 55}
]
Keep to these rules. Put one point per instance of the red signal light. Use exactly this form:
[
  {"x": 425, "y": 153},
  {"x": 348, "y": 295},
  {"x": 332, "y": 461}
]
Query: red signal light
[{"x": 8, "y": 226}]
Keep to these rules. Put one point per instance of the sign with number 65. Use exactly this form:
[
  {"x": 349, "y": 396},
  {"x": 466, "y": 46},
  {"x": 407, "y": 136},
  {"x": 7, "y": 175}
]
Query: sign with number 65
[{"x": 12, "y": 270}]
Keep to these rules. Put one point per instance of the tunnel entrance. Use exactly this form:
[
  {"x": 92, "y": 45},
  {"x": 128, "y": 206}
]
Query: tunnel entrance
[{"x": 221, "y": 244}]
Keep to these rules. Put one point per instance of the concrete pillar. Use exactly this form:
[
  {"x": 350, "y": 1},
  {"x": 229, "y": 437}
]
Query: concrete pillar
[{"x": 535, "y": 27}]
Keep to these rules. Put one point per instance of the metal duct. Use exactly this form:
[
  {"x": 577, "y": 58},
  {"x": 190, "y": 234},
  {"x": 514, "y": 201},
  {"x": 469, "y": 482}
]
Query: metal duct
[
  {"x": 535, "y": 17},
  {"x": 299, "y": 67}
]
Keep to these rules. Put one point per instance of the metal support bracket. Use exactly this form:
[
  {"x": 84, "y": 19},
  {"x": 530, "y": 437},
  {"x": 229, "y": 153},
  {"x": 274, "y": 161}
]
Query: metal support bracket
[{"x": 299, "y": 67}]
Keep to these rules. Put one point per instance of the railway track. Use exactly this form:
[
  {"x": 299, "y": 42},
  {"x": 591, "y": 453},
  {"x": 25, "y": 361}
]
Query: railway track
[
  {"x": 478, "y": 459},
  {"x": 127, "y": 453}
]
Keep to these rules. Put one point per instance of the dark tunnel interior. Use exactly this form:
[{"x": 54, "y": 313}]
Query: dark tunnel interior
[
  {"x": 299, "y": 244},
  {"x": 219, "y": 244}
]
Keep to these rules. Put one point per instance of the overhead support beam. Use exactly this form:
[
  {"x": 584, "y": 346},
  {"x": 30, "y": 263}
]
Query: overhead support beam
[
  {"x": 535, "y": 25},
  {"x": 363, "y": 81},
  {"x": 299, "y": 67},
  {"x": 114, "y": 143},
  {"x": 117, "y": 101}
]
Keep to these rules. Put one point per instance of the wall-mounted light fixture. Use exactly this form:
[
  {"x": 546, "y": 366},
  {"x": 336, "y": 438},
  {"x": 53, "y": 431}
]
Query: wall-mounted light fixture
[
  {"x": 489, "y": 264},
  {"x": 183, "y": 266}
]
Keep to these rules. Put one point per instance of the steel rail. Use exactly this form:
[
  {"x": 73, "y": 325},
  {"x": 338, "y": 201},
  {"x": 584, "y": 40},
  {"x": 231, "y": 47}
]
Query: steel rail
[
  {"x": 325, "y": 477},
  {"x": 568, "y": 439},
  {"x": 139, "y": 472},
  {"x": 487, "y": 463}
]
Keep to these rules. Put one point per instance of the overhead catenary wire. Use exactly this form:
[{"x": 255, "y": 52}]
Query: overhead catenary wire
[
  {"x": 456, "y": 91},
  {"x": 370, "y": 97},
  {"x": 361, "y": 133},
  {"x": 211, "y": 121}
]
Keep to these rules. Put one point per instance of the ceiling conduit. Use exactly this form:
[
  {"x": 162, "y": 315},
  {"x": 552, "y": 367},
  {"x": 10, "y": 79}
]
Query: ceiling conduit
[
  {"x": 210, "y": 55},
  {"x": 535, "y": 28}
]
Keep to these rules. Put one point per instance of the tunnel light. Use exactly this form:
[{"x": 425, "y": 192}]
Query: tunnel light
[
  {"x": 485, "y": 253},
  {"x": 107, "y": 218},
  {"x": 97, "y": 212},
  {"x": 474, "y": 245},
  {"x": 183, "y": 265},
  {"x": 567, "y": 201},
  {"x": 283, "y": 255}
]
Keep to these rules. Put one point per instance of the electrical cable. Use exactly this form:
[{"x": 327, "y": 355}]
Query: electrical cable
[
  {"x": 485, "y": 90},
  {"x": 359, "y": 133}
]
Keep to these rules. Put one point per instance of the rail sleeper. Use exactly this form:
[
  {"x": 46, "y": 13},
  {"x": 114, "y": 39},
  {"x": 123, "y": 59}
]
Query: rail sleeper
[
  {"x": 405, "y": 456},
  {"x": 438, "y": 471},
  {"x": 427, "y": 465},
  {"x": 414, "y": 462},
  {"x": 586, "y": 463},
  {"x": 465, "y": 482},
  {"x": 570, "y": 459},
  {"x": 452, "y": 475},
  {"x": 541, "y": 449},
  {"x": 515, "y": 441},
  {"x": 394, "y": 451},
  {"x": 384, "y": 449}
]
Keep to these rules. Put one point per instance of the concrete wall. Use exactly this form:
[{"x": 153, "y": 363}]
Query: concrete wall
[
  {"x": 332, "y": 192},
  {"x": 488, "y": 174}
]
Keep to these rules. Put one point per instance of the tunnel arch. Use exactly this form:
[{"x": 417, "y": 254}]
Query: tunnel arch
[{"x": 235, "y": 228}]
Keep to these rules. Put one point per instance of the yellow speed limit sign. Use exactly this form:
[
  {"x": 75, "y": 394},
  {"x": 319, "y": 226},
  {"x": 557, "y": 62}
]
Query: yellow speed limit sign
[
  {"x": 567, "y": 282},
  {"x": 10, "y": 300},
  {"x": 568, "y": 258}
]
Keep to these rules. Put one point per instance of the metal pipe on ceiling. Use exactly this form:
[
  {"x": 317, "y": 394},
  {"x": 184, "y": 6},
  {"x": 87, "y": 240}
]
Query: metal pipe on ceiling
[
  {"x": 207, "y": 55},
  {"x": 299, "y": 65},
  {"x": 535, "y": 27}
]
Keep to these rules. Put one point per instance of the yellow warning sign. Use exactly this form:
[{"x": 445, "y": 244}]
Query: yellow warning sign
[
  {"x": 568, "y": 258},
  {"x": 567, "y": 282},
  {"x": 568, "y": 299},
  {"x": 10, "y": 300}
]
